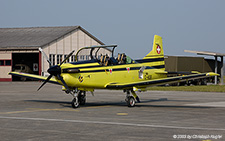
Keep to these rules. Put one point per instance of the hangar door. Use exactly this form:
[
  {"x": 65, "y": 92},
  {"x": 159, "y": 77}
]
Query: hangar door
[{"x": 25, "y": 62}]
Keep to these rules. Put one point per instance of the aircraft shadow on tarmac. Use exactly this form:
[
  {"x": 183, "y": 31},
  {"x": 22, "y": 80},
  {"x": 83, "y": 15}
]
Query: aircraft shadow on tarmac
[{"x": 144, "y": 103}]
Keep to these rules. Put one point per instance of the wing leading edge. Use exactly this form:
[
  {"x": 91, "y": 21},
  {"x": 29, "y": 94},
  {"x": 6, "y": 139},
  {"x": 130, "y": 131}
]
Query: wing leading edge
[
  {"x": 33, "y": 76},
  {"x": 149, "y": 83}
]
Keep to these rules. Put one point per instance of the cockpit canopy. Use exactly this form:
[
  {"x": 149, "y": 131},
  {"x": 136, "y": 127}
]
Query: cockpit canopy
[{"x": 104, "y": 54}]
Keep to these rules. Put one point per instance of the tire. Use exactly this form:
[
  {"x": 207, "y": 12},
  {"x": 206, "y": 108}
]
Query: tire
[
  {"x": 130, "y": 101},
  {"x": 23, "y": 79},
  {"x": 82, "y": 98},
  {"x": 75, "y": 103}
]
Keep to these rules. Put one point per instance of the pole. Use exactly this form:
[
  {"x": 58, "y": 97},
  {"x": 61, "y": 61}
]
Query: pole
[
  {"x": 222, "y": 68},
  {"x": 216, "y": 69}
]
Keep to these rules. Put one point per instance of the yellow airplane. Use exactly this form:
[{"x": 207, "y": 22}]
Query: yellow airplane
[{"x": 108, "y": 72}]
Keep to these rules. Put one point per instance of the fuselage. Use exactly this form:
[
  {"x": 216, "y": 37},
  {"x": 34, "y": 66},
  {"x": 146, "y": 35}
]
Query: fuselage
[{"x": 92, "y": 75}]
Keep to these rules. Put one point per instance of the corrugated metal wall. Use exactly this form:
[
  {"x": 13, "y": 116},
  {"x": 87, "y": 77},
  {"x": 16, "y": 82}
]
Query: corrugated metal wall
[{"x": 188, "y": 64}]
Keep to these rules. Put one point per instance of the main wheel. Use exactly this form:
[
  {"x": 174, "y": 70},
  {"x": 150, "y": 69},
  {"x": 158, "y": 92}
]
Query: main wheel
[
  {"x": 82, "y": 97},
  {"x": 75, "y": 103},
  {"x": 130, "y": 101}
]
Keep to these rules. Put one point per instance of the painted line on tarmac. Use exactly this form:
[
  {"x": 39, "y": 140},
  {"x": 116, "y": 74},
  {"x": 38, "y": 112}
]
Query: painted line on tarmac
[
  {"x": 38, "y": 110},
  {"x": 29, "y": 110},
  {"x": 209, "y": 104},
  {"x": 121, "y": 114},
  {"x": 113, "y": 123}
]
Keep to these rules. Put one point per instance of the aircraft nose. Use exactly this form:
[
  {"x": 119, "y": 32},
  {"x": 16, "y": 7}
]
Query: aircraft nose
[{"x": 54, "y": 70}]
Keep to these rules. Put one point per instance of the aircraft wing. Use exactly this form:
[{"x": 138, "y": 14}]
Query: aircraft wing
[
  {"x": 33, "y": 76},
  {"x": 161, "y": 81}
]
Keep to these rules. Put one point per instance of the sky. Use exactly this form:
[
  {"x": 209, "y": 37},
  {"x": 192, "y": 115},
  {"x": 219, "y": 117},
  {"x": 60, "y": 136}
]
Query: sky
[{"x": 131, "y": 24}]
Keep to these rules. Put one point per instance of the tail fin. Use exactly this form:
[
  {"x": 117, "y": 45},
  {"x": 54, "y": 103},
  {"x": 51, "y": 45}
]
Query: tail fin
[
  {"x": 155, "y": 58},
  {"x": 157, "y": 49}
]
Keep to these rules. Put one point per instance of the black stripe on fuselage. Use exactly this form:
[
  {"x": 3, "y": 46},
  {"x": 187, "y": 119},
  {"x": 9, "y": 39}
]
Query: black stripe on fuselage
[
  {"x": 84, "y": 62},
  {"x": 113, "y": 69},
  {"x": 159, "y": 67},
  {"x": 121, "y": 69},
  {"x": 98, "y": 66},
  {"x": 139, "y": 61},
  {"x": 149, "y": 60},
  {"x": 84, "y": 67}
]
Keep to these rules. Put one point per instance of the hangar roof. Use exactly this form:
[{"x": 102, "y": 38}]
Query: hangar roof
[
  {"x": 34, "y": 37},
  {"x": 206, "y": 53}
]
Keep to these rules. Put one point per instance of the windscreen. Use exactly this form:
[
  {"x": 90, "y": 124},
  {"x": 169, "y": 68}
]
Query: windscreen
[{"x": 92, "y": 53}]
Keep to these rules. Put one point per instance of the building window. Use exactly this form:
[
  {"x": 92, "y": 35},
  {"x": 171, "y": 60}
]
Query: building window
[
  {"x": 5, "y": 62},
  {"x": 68, "y": 60},
  {"x": 52, "y": 59},
  {"x": 59, "y": 59},
  {"x": 1, "y": 62},
  {"x": 88, "y": 57},
  {"x": 8, "y": 62},
  {"x": 72, "y": 58},
  {"x": 81, "y": 57}
]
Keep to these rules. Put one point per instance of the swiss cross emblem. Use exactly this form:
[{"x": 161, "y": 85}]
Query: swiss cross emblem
[{"x": 158, "y": 49}]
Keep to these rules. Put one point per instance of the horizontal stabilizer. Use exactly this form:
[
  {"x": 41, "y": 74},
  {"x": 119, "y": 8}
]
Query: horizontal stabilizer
[{"x": 161, "y": 72}]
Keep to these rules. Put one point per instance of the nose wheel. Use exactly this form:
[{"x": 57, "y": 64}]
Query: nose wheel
[{"x": 75, "y": 103}]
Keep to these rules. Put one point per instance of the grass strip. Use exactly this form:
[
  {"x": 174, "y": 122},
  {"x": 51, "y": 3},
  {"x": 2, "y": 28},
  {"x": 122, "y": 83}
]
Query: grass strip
[{"x": 200, "y": 88}]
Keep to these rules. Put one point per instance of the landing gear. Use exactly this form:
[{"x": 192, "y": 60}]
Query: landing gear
[
  {"x": 75, "y": 103},
  {"x": 79, "y": 98},
  {"x": 82, "y": 97},
  {"x": 130, "y": 99}
]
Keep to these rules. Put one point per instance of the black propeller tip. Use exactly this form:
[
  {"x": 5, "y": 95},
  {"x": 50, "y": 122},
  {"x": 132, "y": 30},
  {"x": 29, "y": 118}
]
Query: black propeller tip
[{"x": 49, "y": 77}]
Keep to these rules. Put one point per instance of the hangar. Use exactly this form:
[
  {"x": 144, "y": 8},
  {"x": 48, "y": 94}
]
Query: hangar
[
  {"x": 187, "y": 64},
  {"x": 19, "y": 48}
]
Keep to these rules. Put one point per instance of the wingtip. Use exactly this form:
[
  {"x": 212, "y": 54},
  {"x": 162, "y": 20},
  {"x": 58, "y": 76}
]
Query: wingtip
[{"x": 212, "y": 74}]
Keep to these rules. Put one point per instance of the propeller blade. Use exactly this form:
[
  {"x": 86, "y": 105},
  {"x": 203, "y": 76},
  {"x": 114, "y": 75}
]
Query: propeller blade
[
  {"x": 64, "y": 83},
  {"x": 67, "y": 58},
  {"x": 49, "y": 77},
  {"x": 45, "y": 56}
]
